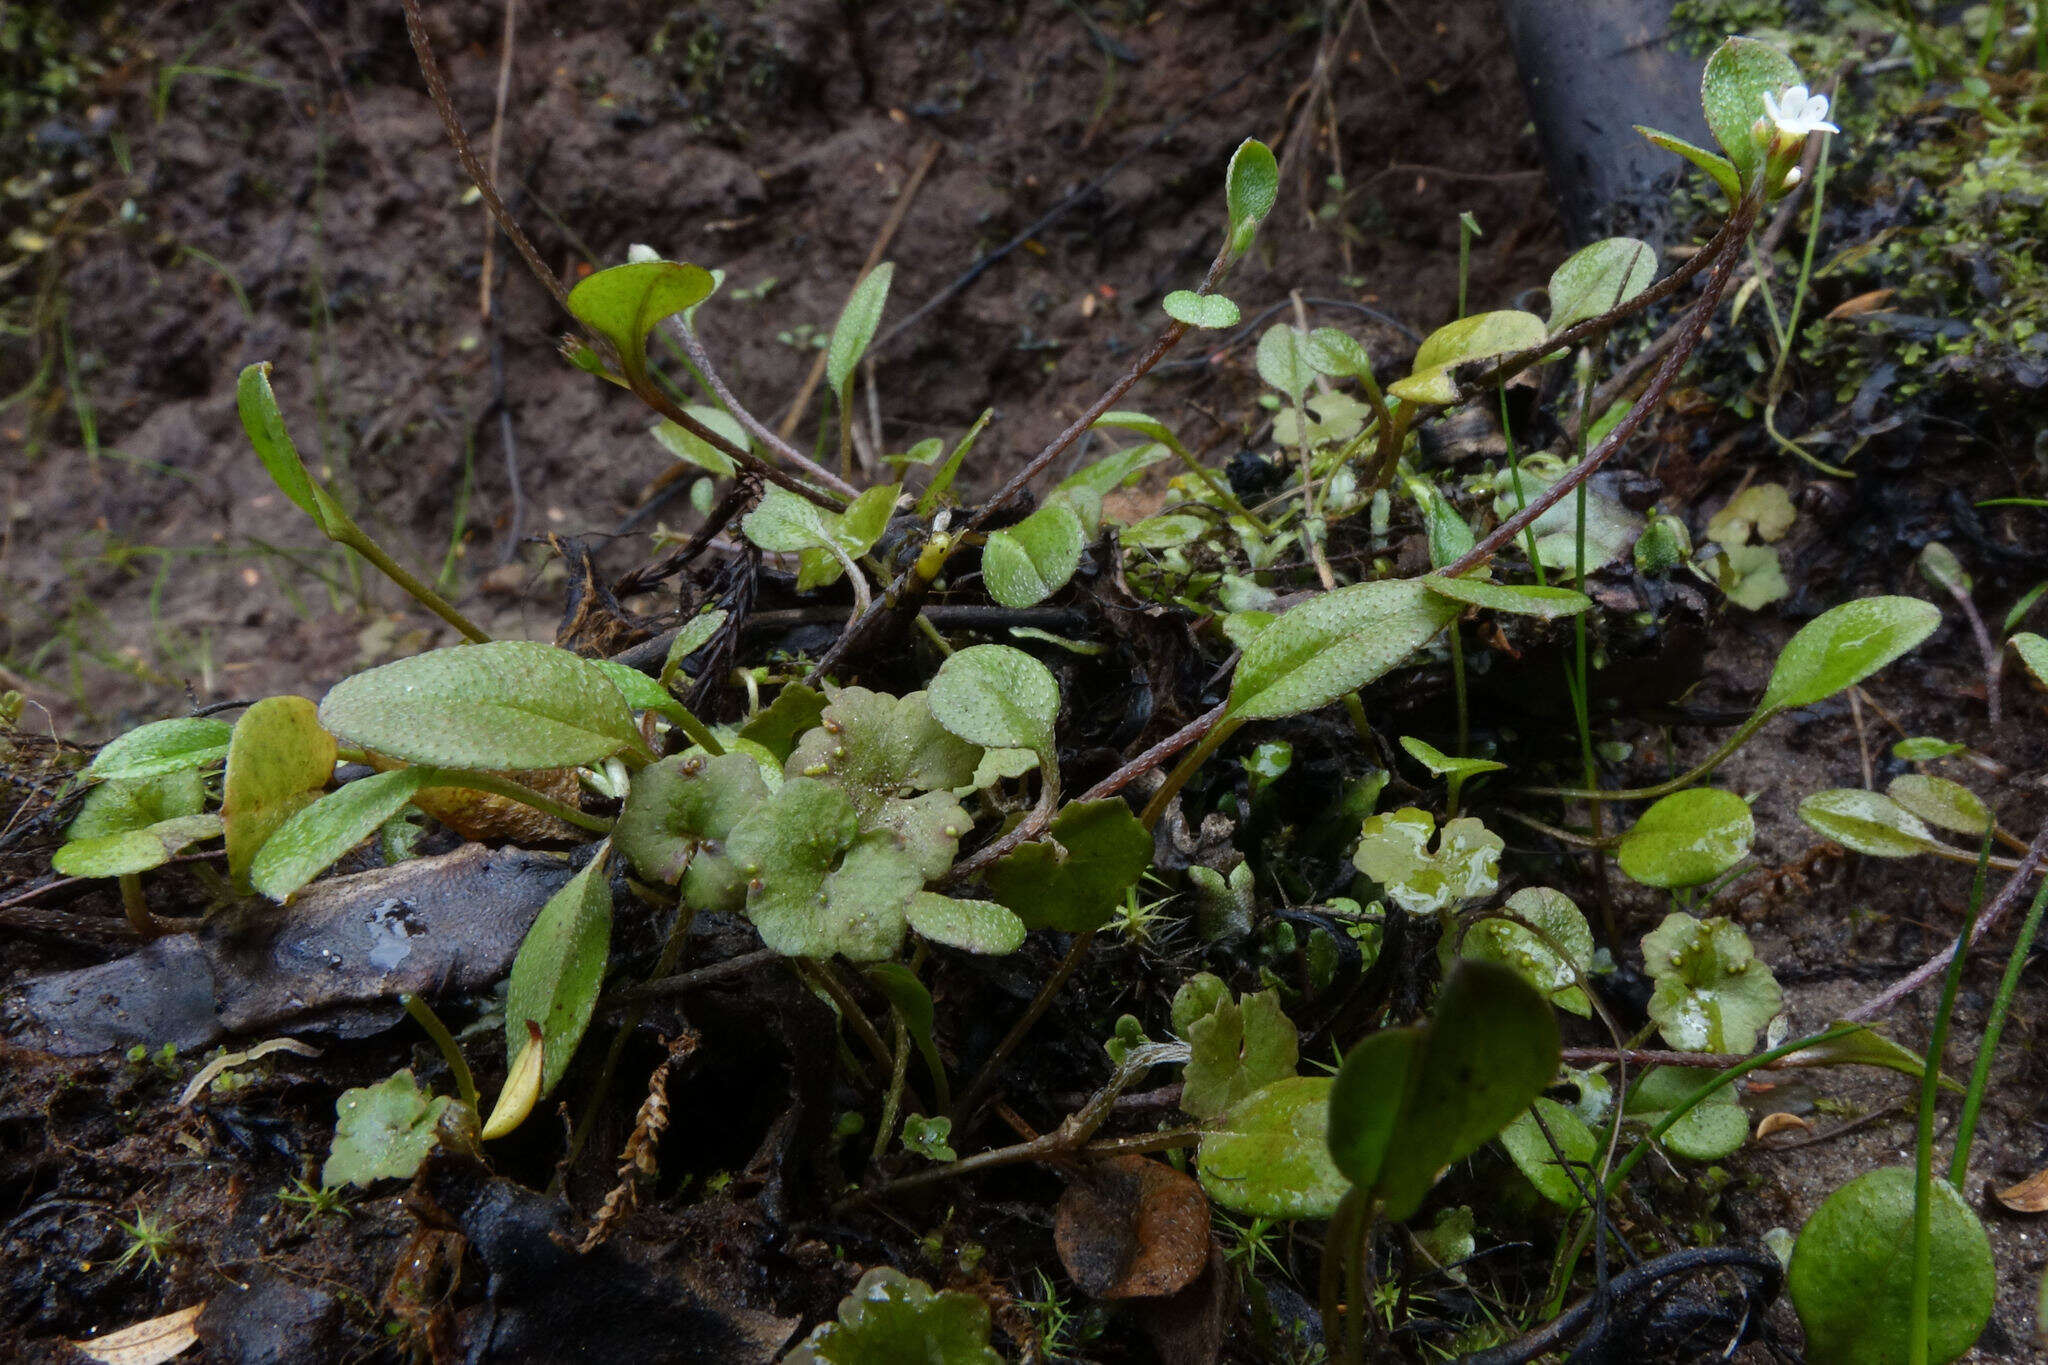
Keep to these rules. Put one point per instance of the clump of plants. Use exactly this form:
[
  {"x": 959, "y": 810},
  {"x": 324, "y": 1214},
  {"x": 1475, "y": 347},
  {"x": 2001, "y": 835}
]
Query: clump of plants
[{"x": 1346, "y": 1063}]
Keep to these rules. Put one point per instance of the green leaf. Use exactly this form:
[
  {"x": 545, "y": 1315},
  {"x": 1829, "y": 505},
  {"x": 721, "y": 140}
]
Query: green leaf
[
  {"x": 971, "y": 926},
  {"x": 1029, "y": 562},
  {"x": 1713, "y": 994},
  {"x": 856, "y": 326},
  {"x": 1269, "y": 1155},
  {"x": 264, "y": 424},
  {"x": 164, "y": 746},
  {"x": 874, "y": 746},
  {"x": 675, "y": 821},
  {"x": 1337, "y": 354},
  {"x": 1711, "y": 1130},
  {"x": 382, "y": 1132},
  {"x": 1283, "y": 360},
  {"x": 775, "y": 727},
  {"x": 1235, "y": 1048},
  {"x": 1942, "y": 803},
  {"x": 1535, "y": 1158},
  {"x": 924, "y": 453},
  {"x": 1688, "y": 838},
  {"x": 1393, "y": 850},
  {"x": 560, "y": 966},
  {"x": 509, "y": 705},
  {"x": 1720, "y": 168},
  {"x": 1441, "y": 764},
  {"x": 891, "y": 1319},
  {"x": 816, "y": 885},
  {"x": 1554, "y": 962},
  {"x": 1334, "y": 644},
  {"x": 997, "y": 697},
  {"x": 1410, "y": 1101},
  {"x": 1151, "y": 428},
  {"x": 928, "y": 501},
  {"x": 1520, "y": 599},
  {"x": 316, "y": 836},
  {"x": 1201, "y": 310},
  {"x": 914, "y": 1003},
  {"x": 1223, "y": 905},
  {"x": 1598, "y": 279},
  {"x": 1851, "y": 1277},
  {"x": 1250, "y": 188},
  {"x": 1739, "y": 74},
  {"x": 625, "y": 302},
  {"x": 2033, "y": 652},
  {"x": 1099, "y": 478},
  {"x": 783, "y": 523},
  {"x": 1073, "y": 880},
  {"x": 1866, "y": 822},
  {"x": 690, "y": 448},
  {"x": 1926, "y": 748},
  {"x": 1844, "y": 645},
  {"x": 278, "y": 761},
  {"x": 1165, "y": 532},
  {"x": 131, "y": 825},
  {"x": 1865, "y": 1047},
  {"x": 1482, "y": 336}
]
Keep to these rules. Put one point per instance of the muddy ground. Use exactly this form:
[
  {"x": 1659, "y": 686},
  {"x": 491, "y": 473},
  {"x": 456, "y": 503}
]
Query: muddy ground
[{"x": 271, "y": 183}]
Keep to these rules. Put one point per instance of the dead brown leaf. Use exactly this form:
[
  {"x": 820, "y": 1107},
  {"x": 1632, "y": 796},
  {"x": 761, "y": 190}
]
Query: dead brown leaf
[
  {"x": 145, "y": 1343},
  {"x": 2029, "y": 1196},
  {"x": 1129, "y": 1228}
]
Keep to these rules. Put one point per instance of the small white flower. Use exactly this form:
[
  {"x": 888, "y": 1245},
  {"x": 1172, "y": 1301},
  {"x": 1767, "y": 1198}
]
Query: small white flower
[{"x": 1798, "y": 113}]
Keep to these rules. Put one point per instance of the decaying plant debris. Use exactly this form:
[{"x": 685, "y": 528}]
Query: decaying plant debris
[{"x": 1311, "y": 891}]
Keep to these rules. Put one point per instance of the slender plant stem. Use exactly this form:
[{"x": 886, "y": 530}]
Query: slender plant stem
[
  {"x": 465, "y": 1083},
  {"x": 1178, "y": 778},
  {"x": 526, "y": 796},
  {"x": 136, "y": 906},
  {"x": 899, "y": 1074},
  {"x": 819, "y": 973},
  {"x": 1980, "y": 1075},
  {"x": 355, "y": 538},
  {"x": 1923, "y": 1145},
  {"x": 1686, "y": 779}
]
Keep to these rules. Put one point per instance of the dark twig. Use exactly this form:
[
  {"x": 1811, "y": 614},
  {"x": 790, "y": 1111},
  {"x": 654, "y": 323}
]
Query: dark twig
[{"x": 1566, "y": 1325}]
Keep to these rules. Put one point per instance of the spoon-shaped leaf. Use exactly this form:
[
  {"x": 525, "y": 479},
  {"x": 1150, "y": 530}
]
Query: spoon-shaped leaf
[
  {"x": 1334, "y": 644},
  {"x": 1408, "y": 1102},
  {"x": 1940, "y": 802},
  {"x": 971, "y": 926},
  {"x": 1250, "y": 187},
  {"x": 1738, "y": 76},
  {"x": 1688, "y": 838},
  {"x": 1029, "y": 562},
  {"x": 625, "y": 302},
  {"x": 1866, "y": 822},
  {"x": 509, "y": 705},
  {"x": 278, "y": 760},
  {"x": 856, "y": 326},
  {"x": 1844, "y": 645},
  {"x": 313, "y": 838},
  {"x": 1519, "y": 599},
  {"x": 559, "y": 968},
  {"x": 997, "y": 697},
  {"x": 164, "y": 746},
  {"x": 1599, "y": 278},
  {"x": 1851, "y": 1276}
]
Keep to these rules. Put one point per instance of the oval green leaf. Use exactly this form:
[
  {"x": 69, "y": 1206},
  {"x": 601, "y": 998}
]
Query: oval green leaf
[
  {"x": 1519, "y": 599},
  {"x": 625, "y": 302},
  {"x": 1029, "y": 562},
  {"x": 1718, "y": 167},
  {"x": 1249, "y": 188},
  {"x": 1598, "y": 279},
  {"x": 278, "y": 760},
  {"x": 508, "y": 705},
  {"x": 1535, "y": 1158},
  {"x": 1098, "y": 850},
  {"x": 2033, "y": 652},
  {"x": 1481, "y": 336},
  {"x": 1408, "y": 1102},
  {"x": 1851, "y": 1277},
  {"x": 1201, "y": 310},
  {"x": 1738, "y": 76},
  {"x": 1283, "y": 360},
  {"x": 973, "y": 926},
  {"x": 1844, "y": 645},
  {"x": 164, "y": 746},
  {"x": 997, "y": 697},
  {"x": 1942, "y": 803},
  {"x": 555, "y": 977},
  {"x": 1334, "y": 644},
  {"x": 1688, "y": 838},
  {"x": 315, "y": 837},
  {"x": 691, "y": 448},
  {"x": 1554, "y": 961},
  {"x": 855, "y": 329},
  {"x": 1866, "y": 822}
]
